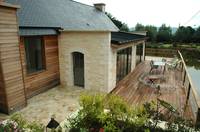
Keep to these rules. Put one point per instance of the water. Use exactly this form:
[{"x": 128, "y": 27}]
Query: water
[
  {"x": 195, "y": 75},
  {"x": 192, "y": 60}
]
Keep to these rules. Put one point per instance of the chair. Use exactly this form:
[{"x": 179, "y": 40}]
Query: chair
[
  {"x": 168, "y": 110},
  {"x": 152, "y": 66},
  {"x": 173, "y": 64},
  {"x": 164, "y": 60}
]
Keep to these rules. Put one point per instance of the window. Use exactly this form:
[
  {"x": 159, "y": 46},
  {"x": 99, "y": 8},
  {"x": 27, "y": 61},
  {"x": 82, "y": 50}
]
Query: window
[
  {"x": 124, "y": 57},
  {"x": 34, "y": 49}
]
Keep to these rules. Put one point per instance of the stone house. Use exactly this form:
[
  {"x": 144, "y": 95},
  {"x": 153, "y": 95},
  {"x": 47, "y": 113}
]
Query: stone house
[{"x": 47, "y": 43}]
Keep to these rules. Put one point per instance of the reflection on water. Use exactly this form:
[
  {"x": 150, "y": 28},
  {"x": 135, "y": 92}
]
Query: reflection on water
[
  {"x": 192, "y": 59},
  {"x": 195, "y": 75}
]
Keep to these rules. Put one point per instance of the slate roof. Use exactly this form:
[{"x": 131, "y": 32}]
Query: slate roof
[
  {"x": 120, "y": 38},
  {"x": 65, "y": 14},
  {"x": 37, "y": 31}
]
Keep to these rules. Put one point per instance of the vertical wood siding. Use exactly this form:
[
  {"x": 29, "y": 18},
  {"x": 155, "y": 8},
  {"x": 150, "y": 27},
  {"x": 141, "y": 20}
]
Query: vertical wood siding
[
  {"x": 3, "y": 102},
  {"x": 11, "y": 80},
  {"x": 38, "y": 82}
]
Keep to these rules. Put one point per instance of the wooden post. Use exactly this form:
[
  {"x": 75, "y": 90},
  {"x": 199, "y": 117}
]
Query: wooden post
[
  {"x": 182, "y": 66},
  {"x": 144, "y": 46},
  {"x": 198, "y": 118},
  {"x": 184, "y": 78},
  {"x": 188, "y": 93}
]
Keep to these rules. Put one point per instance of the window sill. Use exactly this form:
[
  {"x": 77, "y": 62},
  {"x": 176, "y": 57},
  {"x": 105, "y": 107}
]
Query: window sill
[{"x": 35, "y": 73}]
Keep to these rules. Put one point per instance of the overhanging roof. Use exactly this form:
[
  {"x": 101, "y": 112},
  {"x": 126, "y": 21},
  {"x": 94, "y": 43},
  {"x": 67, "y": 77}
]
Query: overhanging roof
[{"x": 120, "y": 38}]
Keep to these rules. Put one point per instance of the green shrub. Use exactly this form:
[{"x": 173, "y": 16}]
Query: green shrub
[
  {"x": 118, "y": 107},
  {"x": 118, "y": 116},
  {"x": 9, "y": 126},
  {"x": 110, "y": 127},
  {"x": 19, "y": 120},
  {"x": 112, "y": 114},
  {"x": 25, "y": 125}
]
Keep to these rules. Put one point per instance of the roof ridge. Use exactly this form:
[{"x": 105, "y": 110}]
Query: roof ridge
[
  {"x": 132, "y": 33},
  {"x": 82, "y": 3}
]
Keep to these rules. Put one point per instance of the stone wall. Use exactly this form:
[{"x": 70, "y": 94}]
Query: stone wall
[
  {"x": 112, "y": 68},
  {"x": 97, "y": 58},
  {"x": 133, "y": 63}
]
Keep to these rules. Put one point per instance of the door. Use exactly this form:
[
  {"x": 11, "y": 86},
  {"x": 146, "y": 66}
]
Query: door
[{"x": 78, "y": 68}]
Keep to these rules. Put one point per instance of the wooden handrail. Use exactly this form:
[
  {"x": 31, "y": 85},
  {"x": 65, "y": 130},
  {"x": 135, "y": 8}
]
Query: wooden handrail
[
  {"x": 193, "y": 88},
  {"x": 191, "y": 93}
]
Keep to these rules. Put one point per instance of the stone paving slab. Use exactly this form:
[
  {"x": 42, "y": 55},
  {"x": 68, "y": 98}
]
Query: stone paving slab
[{"x": 60, "y": 102}]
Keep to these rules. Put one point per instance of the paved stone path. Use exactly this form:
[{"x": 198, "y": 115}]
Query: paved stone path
[{"x": 58, "y": 101}]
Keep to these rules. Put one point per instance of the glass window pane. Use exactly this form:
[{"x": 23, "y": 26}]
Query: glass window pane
[
  {"x": 123, "y": 63},
  {"x": 34, "y": 49}
]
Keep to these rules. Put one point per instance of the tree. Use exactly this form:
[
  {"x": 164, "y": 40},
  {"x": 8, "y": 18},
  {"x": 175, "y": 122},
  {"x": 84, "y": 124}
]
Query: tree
[
  {"x": 164, "y": 34},
  {"x": 122, "y": 26},
  {"x": 139, "y": 27},
  {"x": 151, "y": 32},
  {"x": 196, "y": 36},
  {"x": 184, "y": 34}
]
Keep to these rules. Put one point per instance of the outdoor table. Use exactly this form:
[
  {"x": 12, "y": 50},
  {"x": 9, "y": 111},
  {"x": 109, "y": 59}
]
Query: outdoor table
[
  {"x": 160, "y": 64},
  {"x": 153, "y": 78}
]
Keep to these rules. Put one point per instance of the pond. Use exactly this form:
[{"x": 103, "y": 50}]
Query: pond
[
  {"x": 192, "y": 59},
  {"x": 195, "y": 75}
]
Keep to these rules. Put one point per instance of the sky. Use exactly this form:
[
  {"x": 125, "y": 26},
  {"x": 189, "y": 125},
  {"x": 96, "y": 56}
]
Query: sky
[{"x": 153, "y": 12}]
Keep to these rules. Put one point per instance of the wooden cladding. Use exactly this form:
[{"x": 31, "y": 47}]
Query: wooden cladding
[
  {"x": 40, "y": 81},
  {"x": 16, "y": 84},
  {"x": 12, "y": 95},
  {"x": 3, "y": 102}
]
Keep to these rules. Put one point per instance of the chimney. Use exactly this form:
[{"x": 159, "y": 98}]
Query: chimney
[{"x": 100, "y": 6}]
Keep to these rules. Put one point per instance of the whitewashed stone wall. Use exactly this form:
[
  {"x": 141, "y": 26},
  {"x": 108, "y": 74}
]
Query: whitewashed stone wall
[
  {"x": 112, "y": 68},
  {"x": 98, "y": 59},
  {"x": 144, "y": 46},
  {"x": 133, "y": 63}
]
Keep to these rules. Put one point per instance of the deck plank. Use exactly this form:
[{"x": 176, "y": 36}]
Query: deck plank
[{"x": 135, "y": 93}]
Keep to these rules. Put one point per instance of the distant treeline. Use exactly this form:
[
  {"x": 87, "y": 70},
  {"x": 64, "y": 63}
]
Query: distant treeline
[{"x": 163, "y": 33}]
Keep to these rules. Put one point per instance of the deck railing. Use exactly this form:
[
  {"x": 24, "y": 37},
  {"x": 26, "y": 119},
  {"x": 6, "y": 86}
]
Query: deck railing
[{"x": 193, "y": 98}]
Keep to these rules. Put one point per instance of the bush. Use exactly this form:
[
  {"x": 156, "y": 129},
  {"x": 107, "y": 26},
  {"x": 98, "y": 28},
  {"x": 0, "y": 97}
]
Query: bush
[
  {"x": 112, "y": 114},
  {"x": 9, "y": 126},
  {"x": 91, "y": 114},
  {"x": 24, "y": 125}
]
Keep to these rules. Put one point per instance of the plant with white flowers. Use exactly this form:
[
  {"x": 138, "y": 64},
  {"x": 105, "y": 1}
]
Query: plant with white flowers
[{"x": 9, "y": 126}]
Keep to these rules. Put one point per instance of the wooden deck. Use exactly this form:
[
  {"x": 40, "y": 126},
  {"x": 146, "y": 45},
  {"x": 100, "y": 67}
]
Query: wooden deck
[{"x": 136, "y": 93}]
